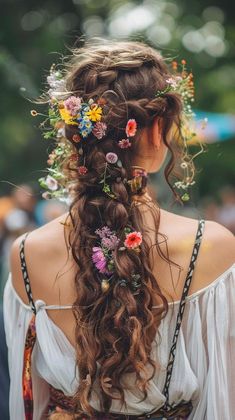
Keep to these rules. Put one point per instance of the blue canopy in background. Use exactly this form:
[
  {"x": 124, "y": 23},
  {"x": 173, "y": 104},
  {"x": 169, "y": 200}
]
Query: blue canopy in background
[{"x": 220, "y": 127}]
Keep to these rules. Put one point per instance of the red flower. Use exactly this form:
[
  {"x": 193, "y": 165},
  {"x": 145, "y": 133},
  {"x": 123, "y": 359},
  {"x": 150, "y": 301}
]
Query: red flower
[
  {"x": 76, "y": 138},
  {"x": 82, "y": 170},
  {"x": 74, "y": 157},
  {"x": 131, "y": 128},
  {"x": 133, "y": 240}
]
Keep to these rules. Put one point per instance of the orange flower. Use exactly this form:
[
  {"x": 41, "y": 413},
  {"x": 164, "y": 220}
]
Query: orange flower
[
  {"x": 133, "y": 240},
  {"x": 131, "y": 128}
]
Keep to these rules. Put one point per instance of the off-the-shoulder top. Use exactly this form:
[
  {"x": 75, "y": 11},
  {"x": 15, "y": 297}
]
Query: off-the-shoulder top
[{"x": 204, "y": 357}]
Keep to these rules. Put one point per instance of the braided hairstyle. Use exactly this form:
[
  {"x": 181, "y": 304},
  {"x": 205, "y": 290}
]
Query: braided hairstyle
[{"x": 115, "y": 329}]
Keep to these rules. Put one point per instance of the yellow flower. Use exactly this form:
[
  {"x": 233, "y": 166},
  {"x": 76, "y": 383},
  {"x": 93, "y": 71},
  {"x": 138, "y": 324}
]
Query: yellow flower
[
  {"x": 95, "y": 113},
  {"x": 66, "y": 117}
]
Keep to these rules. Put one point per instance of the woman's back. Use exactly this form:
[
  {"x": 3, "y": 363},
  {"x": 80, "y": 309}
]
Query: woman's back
[
  {"x": 46, "y": 249},
  {"x": 55, "y": 352},
  {"x": 100, "y": 336}
]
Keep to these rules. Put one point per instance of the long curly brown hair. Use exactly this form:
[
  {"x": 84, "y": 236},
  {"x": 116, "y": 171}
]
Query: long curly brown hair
[{"x": 115, "y": 329}]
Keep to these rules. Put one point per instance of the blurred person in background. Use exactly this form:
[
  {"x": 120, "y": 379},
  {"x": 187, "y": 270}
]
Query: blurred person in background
[
  {"x": 102, "y": 302},
  {"x": 18, "y": 219},
  {"x": 226, "y": 214},
  {"x": 48, "y": 210}
]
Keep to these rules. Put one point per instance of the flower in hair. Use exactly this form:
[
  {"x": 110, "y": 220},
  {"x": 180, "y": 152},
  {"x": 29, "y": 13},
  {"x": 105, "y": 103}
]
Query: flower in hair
[
  {"x": 95, "y": 113},
  {"x": 85, "y": 126},
  {"x": 76, "y": 138},
  {"x": 131, "y": 128},
  {"x": 72, "y": 105},
  {"x": 174, "y": 81},
  {"x": 99, "y": 130},
  {"x": 66, "y": 116},
  {"x": 111, "y": 157},
  {"x": 99, "y": 259},
  {"x": 82, "y": 170},
  {"x": 51, "y": 183},
  {"x": 124, "y": 143},
  {"x": 133, "y": 240}
]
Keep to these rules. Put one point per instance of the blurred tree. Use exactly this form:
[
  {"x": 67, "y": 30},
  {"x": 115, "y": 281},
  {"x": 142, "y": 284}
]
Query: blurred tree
[{"x": 34, "y": 35}]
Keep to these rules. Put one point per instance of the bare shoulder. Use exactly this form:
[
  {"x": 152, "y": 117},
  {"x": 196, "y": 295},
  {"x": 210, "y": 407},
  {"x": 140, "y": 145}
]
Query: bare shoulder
[
  {"x": 45, "y": 251},
  {"x": 216, "y": 254},
  {"x": 219, "y": 246}
]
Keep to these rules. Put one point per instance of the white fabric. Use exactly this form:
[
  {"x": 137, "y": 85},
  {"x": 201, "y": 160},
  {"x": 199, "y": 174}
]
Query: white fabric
[{"x": 204, "y": 369}]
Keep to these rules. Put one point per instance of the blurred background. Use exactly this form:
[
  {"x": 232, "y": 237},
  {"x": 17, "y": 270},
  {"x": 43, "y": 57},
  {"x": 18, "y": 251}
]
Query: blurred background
[{"x": 34, "y": 34}]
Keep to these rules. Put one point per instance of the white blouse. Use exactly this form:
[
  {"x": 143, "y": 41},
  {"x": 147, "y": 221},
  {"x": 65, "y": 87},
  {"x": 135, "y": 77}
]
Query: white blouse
[{"x": 204, "y": 368}]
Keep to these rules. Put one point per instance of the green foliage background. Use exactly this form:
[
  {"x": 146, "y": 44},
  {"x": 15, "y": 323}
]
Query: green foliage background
[{"x": 34, "y": 35}]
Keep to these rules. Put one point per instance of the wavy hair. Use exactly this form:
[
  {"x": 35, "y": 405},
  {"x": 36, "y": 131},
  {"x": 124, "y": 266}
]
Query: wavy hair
[{"x": 115, "y": 329}]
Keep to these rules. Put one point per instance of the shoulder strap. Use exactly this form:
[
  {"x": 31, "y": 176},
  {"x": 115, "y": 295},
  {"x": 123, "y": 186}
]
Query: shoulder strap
[
  {"x": 201, "y": 225},
  {"x": 25, "y": 274}
]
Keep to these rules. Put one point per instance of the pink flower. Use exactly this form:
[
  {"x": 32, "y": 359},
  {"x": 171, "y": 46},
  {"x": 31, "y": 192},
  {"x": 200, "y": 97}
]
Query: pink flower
[
  {"x": 99, "y": 129},
  {"x": 110, "y": 243},
  {"x": 111, "y": 157},
  {"x": 131, "y": 128},
  {"x": 133, "y": 240},
  {"x": 103, "y": 232},
  {"x": 99, "y": 259},
  {"x": 72, "y": 105},
  {"x": 124, "y": 143}
]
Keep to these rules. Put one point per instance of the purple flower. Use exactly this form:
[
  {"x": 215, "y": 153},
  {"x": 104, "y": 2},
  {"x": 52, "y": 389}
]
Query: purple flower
[
  {"x": 111, "y": 242},
  {"x": 103, "y": 232},
  {"x": 99, "y": 259},
  {"x": 111, "y": 157},
  {"x": 72, "y": 105},
  {"x": 99, "y": 129}
]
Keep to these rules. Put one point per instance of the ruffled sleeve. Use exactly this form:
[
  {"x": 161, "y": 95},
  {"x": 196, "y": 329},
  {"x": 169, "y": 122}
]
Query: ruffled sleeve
[
  {"x": 212, "y": 358},
  {"x": 17, "y": 316}
]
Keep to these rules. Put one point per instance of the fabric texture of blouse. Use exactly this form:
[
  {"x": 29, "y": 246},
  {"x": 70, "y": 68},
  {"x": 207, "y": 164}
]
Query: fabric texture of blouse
[{"x": 204, "y": 366}]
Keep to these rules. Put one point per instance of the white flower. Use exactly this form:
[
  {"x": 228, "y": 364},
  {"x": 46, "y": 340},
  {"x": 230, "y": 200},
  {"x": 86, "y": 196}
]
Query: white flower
[
  {"x": 51, "y": 183},
  {"x": 173, "y": 82},
  {"x": 57, "y": 85},
  {"x": 60, "y": 132}
]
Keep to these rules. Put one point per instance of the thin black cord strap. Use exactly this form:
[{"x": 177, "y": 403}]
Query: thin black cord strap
[
  {"x": 188, "y": 280},
  {"x": 25, "y": 274}
]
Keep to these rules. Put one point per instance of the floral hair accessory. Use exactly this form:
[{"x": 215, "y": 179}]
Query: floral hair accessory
[
  {"x": 99, "y": 130},
  {"x": 124, "y": 143},
  {"x": 130, "y": 130},
  {"x": 103, "y": 255},
  {"x": 139, "y": 180},
  {"x": 72, "y": 105},
  {"x": 111, "y": 157},
  {"x": 133, "y": 240},
  {"x": 82, "y": 170},
  {"x": 181, "y": 82},
  {"x": 86, "y": 118}
]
